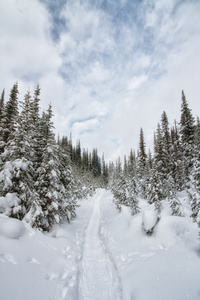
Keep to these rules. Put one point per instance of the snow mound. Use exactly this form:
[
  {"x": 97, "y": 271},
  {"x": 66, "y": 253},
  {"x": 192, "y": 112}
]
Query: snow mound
[
  {"x": 9, "y": 201},
  {"x": 11, "y": 228},
  {"x": 149, "y": 219},
  {"x": 58, "y": 232},
  {"x": 172, "y": 229}
]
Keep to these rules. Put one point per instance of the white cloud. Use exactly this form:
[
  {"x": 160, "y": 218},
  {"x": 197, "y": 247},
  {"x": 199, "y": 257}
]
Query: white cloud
[
  {"x": 136, "y": 82},
  {"x": 27, "y": 52},
  {"x": 85, "y": 125},
  {"x": 116, "y": 75}
]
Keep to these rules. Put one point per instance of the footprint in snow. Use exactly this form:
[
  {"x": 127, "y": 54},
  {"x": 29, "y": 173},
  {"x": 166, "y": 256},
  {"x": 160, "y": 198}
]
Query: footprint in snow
[
  {"x": 33, "y": 260},
  {"x": 64, "y": 274},
  {"x": 67, "y": 248},
  {"x": 8, "y": 258}
]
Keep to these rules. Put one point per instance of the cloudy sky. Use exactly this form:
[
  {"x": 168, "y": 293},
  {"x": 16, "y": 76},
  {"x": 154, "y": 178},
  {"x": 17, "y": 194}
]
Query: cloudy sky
[{"x": 108, "y": 67}]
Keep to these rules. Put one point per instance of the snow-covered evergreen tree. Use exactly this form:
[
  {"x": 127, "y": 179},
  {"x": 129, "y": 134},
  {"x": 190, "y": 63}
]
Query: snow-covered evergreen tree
[
  {"x": 104, "y": 172},
  {"x": 194, "y": 190},
  {"x": 141, "y": 166},
  {"x": 2, "y": 102},
  {"x": 9, "y": 119},
  {"x": 155, "y": 191},
  {"x": 119, "y": 186},
  {"x": 13, "y": 173},
  {"x": 187, "y": 131},
  {"x": 175, "y": 204},
  {"x": 177, "y": 168},
  {"x": 51, "y": 201}
]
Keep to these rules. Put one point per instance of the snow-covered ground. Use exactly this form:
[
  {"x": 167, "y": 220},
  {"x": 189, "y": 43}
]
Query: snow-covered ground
[{"x": 102, "y": 254}]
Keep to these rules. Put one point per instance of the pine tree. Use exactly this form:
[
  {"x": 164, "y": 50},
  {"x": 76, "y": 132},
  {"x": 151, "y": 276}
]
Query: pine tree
[
  {"x": 175, "y": 204},
  {"x": 194, "y": 191},
  {"x": 85, "y": 161},
  {"x": 131, "y": 184},
  {"x": 142, "y": 153},
  {"x": 186, "y": 122},
  {"x": 157, "y": 181},
  {"x": 51, "y": 204},
  {"x": 119, "y": 186},
  {"x": 155, "y": 193},
  {"x": 125, "y": 167},
  {"x": 36, "y": 140},
  {"x": 67, "y": 182},
  {"x": 17, "y": 160},
  {"x": 187, "y": 130},
  {"x": 22, "y": 157},
  {"x": 78, "y": 154},
  {"x": 9, "y": 119},
  {"x": 160, "y": 164},
  {"x": 141, "y": 166},
  {"x": 104, "y": 172},
  {"x": 177, "y": 167},
  {"x": 2, "y": 101},
  {"x": 197, "y": 135},
  {"x": 167, "y": 145},
  {"x": 166, "y": 134},
  {"x": 96, "y": 164}
]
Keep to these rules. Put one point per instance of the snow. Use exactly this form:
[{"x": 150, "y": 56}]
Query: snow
[
  {"x": 149, "y": 218},
  {"x": 11, "y": 228},
  {"x": 11, "y": 200},
  {"x": 102, "y": 254},
  {"x": 20, "y": 164},
  {"x": 97, "y": 269}
]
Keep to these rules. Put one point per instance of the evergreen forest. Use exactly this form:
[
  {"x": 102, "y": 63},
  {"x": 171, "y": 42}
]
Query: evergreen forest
[{"x": 42, "y": 176}]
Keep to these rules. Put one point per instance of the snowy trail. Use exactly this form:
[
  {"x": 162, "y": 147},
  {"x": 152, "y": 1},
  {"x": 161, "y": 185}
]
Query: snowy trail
[
  {"x": 98, "y": 278},
  {"x": 101, "y": 255}
]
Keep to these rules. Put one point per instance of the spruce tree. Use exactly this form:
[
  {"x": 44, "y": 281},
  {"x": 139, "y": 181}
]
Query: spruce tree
[
  {"x": 104, "y": 172},
  {"x": 187, "y": 127},
  {"x": 197, "y": 135},
  {"x": 51, "y": 206},
  {"x": 155, "y": 192},
  {"x": 9, "y": 119},
  {"x": 194, "y": 190},
  {"x": 157, "y": 181},
  {"x": 119, "y": 186},
  {"x": 131, "y": 184},
  {"x": 2, "y": 101},
  {"x": 22, "y": 157},
  {"x": 177, "y": 159},
  {"x": 37, "y": 139},
  {"x": 141, "y": 166},
  {"x": 160, "y": 163},
  {"x": 187, "y": 131},
  {"x": 17, "y": 160}
]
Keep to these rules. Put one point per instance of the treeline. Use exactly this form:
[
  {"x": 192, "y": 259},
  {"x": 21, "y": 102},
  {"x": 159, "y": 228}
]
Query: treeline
[
  {"x": 174, "y": 167},
  {"x": 41, "y": 178}
]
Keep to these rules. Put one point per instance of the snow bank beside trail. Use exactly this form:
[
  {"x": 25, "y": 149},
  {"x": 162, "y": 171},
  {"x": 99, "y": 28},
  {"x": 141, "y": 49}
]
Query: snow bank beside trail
[
  {"x": 172, "y": 230},
  {"x": 34, "y": 265},
  {"x": 165, "y": 265},
  {"x": 11, "y": 228}
]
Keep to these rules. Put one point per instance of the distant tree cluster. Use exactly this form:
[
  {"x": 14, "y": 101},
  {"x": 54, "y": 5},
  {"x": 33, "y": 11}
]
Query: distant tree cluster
[
  {"x": 174, "y": 167},
  {"x": 41, "y": 178}
]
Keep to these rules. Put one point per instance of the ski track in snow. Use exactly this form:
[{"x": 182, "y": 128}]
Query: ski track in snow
[{"x": 98, "y": 277}]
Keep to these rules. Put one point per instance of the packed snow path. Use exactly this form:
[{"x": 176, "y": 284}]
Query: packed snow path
[{"x": 98, "y": 277}]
